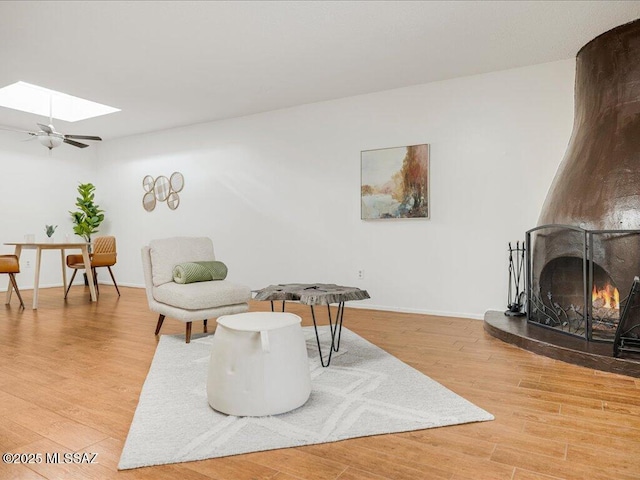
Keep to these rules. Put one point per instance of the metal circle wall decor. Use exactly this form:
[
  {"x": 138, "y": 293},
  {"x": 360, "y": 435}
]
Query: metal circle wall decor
[
  {"x": 149, "y": 201},
  {"x": 176, "y": 182},
  {"x": 147, "y": 183},
  {"x": 162, "y": 189},
  {"x": 173, "y": 200}
]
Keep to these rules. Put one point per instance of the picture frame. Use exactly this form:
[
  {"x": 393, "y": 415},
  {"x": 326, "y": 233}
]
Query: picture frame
[{"x": 394, "y": 182}]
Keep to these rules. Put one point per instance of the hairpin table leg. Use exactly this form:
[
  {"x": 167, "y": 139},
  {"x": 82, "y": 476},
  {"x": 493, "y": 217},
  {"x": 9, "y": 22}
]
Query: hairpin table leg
[{"x": 335, "y": 328}]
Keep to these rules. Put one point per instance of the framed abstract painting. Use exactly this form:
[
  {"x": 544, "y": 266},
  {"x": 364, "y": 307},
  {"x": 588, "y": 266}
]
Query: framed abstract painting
[{"x": 395, "y": 182}]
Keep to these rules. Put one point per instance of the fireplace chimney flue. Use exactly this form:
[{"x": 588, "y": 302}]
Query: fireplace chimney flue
[{"x": 597, "y": 186}]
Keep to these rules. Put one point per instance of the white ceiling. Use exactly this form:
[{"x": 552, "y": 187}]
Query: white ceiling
[{"x": 169, "y": 64}]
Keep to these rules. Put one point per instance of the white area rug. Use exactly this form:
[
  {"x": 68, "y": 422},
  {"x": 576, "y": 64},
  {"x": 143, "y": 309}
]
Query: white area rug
[{"x": 364, "y": 392}]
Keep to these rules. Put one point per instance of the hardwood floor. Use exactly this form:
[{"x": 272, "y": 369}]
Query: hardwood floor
[{"x": 71, "y": 373}]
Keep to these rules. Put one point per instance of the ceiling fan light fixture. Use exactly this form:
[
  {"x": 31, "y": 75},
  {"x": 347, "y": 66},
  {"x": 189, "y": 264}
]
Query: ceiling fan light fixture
[{"x": 50, "y": 141}]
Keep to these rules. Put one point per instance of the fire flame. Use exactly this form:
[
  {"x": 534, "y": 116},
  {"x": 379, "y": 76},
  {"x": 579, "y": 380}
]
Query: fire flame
[{"x": 608, "y": 294}]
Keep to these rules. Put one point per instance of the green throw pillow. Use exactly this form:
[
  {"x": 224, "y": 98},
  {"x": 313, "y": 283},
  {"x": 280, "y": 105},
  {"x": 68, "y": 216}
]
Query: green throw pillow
[{"x": 191, "y": 272}]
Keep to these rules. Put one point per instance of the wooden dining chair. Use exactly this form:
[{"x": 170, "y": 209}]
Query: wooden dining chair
[
  {"x": 103, "y": 255},
  {"x": 10, "y": 264}
]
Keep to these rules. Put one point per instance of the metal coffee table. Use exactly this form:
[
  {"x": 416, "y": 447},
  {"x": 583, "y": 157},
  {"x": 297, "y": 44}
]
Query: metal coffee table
[{"x": 315, "y": 294}]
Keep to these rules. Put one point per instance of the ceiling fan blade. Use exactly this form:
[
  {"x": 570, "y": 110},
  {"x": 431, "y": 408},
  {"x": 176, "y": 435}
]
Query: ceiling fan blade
[
  {"x": 83, "y": 137},
  {"x": 45, "y": 128},
  {"x": 9, "y": 129},
  {"x": 75, "y": 144}
]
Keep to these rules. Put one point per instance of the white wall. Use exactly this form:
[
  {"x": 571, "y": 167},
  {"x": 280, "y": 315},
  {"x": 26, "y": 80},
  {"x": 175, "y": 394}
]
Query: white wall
[
  {"x": 279, "y": 192},
  {"x": 38, "y": 189}
]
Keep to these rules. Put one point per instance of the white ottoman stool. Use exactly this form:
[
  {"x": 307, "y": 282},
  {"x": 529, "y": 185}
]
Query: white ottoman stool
[{"x": 259, "y": 365}]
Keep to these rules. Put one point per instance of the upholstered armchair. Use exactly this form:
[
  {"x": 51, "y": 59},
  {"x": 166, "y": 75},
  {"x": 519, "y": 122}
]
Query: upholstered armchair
[{"x": 192, "y": 301}]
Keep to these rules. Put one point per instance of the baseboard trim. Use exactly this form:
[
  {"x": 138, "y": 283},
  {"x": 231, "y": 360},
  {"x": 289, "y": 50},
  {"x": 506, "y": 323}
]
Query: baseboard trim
[{"x": 420, "y": 311}]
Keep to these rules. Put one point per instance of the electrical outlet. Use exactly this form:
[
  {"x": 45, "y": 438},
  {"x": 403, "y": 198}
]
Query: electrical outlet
[
  {"x": 27, "y": 264},
  {"x": 360, "y": 274}
]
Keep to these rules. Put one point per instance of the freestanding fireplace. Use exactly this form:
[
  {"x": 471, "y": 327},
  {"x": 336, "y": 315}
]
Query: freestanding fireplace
[{"x": 585, "y": 253}]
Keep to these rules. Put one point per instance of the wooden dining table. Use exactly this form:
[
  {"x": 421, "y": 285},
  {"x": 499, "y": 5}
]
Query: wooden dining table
[{"x": 39, "y": 247}]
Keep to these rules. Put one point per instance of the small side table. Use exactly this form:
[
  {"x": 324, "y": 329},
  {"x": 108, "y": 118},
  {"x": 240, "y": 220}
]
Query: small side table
[
  {"x": 315, "y": 294},
  {"x": 258, "y": 365}
]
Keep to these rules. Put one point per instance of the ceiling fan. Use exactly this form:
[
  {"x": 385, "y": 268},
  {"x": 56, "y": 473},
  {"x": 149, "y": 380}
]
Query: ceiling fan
[{"x": 48, "y": 136}]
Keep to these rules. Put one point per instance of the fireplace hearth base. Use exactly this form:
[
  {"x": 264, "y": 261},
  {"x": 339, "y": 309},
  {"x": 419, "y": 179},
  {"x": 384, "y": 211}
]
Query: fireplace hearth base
[{"x": 542, "y": 341}]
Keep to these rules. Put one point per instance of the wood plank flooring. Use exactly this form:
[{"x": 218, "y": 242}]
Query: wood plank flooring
[{"x": 71, "y": 373}]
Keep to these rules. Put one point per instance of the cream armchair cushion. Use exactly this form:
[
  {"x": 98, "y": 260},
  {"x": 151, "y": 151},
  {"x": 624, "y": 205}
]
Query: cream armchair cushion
[{"x": 201, "y": 295}]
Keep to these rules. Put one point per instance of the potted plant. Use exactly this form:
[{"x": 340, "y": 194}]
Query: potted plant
[
  {"x": 89, "y": 216},
  {"x": 50, "y": 230}
]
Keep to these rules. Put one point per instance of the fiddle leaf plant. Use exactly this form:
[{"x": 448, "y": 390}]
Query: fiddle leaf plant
[{"x": 89, "y": 216}]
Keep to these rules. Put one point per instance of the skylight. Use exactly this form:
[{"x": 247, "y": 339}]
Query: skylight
[{"x": 41, "y": 101}]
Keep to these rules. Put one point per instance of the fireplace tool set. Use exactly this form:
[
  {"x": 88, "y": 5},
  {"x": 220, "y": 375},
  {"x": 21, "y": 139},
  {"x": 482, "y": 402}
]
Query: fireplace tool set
[
  {"x": 516, "y": 295},
  {"x": 627, "y": 339}
]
